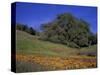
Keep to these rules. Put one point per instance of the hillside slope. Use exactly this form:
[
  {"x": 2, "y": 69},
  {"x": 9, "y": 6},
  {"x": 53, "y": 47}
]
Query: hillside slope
[
  {"x": 37, "y": 55},
  {"x": 29, "y": 44}
]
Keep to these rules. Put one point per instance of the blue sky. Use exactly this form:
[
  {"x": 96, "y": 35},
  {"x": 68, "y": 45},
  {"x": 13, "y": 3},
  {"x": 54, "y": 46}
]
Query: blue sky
[{"x": 34, "y": 14}]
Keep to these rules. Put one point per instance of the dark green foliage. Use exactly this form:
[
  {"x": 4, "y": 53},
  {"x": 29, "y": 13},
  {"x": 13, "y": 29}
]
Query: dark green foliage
[
  {"x": 32, "y": 31},
  {"x": 25, "y": 28},
  {"x": 67, "y": 29},
  {"x": 93, "y": 39}
]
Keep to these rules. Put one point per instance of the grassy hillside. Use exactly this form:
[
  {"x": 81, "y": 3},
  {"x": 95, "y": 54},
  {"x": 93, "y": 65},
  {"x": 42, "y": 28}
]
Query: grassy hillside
[
  {"x": 28, "y": 44},
  {"x": 50, "y": 56}
]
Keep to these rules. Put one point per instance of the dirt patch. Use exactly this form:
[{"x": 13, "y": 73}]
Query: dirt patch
[{"x": 57, "y": 49}]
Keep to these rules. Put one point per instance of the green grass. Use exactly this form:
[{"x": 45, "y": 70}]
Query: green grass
[
  {"x": 89, "y": 51},
  {"x": 28, "y": 44}
]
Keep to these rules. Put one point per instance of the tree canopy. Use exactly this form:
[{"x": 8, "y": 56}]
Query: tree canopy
[
  {"x": 68, "y": 30},
  {"x": 25, "y": 28}
]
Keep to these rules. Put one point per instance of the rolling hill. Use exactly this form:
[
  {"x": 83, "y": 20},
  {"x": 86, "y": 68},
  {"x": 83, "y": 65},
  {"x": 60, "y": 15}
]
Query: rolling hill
[{"x": 44, "y": 55}]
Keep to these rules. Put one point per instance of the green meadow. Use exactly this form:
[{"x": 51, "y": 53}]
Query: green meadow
[{"x": 28, "y": 47}]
